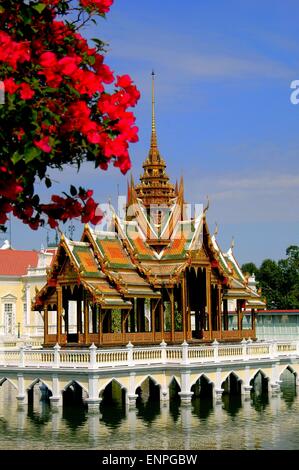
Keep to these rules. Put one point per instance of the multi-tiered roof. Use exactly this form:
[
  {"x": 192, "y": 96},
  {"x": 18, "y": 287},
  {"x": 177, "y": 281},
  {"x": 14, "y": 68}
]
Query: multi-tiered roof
[{"x": 150, "y": 249}]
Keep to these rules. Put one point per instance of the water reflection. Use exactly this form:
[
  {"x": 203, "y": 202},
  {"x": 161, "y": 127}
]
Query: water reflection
[
  {"x": 148, "y": 411},
  {"x": 260, "y": 422},
  {"x": 202, "y": 407},
  {"x": 288, "y": 388},
  {"x": 174, "y": 409},
  {"x": 74, "y": 416},
  {"x": 232, "y": 404},
  {"x": 40, "y": 417}
]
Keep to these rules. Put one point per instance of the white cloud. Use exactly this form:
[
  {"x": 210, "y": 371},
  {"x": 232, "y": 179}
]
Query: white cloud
[{"x": 252, "y": 198}]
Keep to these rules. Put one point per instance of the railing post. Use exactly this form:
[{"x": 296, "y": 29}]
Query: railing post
[
  {"x": 93, "y": 356},
  {"x": 163, "y": 346},
  {"x": 57, "y": 356},
  {"x": 185, "y": 348},
  {"x": 22, "y": 357},
  {"x": 215, "y": 345},
  {"x": 244, "y": 349},
  {"x": 130, "y": 347}
]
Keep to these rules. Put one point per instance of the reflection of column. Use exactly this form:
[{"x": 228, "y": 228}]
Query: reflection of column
[
  {"x": 56, "y": 420},
  {"x": 21, "y": 418},
  {"x": 93, "y": 428},
  {"x": 248, "y": 434},
  {"x": 219, "y": 420},
  {"x": 131, "y": 420},
  {"x": 186, "y": 416},
  {"x": 275, "y": 407}
]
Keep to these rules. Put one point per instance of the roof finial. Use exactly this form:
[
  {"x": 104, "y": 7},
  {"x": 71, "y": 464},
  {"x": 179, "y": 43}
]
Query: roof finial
[
  {"x": 207, "y": 205},
  {"x": 154, "y": 133},
  {"x": 232, "y": 243},
  {"x": 216, "y": 229}
]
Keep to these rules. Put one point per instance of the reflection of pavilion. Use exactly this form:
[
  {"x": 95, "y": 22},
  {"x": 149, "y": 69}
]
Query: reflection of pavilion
[{"x": 156, "y": 275}]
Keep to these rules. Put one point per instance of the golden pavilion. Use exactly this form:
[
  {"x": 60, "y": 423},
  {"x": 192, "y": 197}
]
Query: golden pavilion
[{"x": 156, "y": 274}]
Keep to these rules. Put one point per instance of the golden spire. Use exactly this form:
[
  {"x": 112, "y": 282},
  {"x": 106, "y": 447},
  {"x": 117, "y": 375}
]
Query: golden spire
[
  {"x": 154, "y": 145},
  {"x": 154, "y": 186}
]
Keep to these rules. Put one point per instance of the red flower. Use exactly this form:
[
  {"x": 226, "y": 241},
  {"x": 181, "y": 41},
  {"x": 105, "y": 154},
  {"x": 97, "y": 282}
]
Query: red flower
[
  {"x": 102, "y": 6},
  {"x": 43, "y": 144},
  {"x": 91, "y": 212},
  {"x": 26, "y": 92},
  {"x": 20, "y": 133},
  {"x": 52, "y": 222},
  {"x": 124, "y": 81},
  {"x": 48, "y": 59},
  {"x": 10, "y": 86},
  {"x": 68, "y": 65},
  {"x": 12, "y": 52},
  {"x": 10, "y": 189}
]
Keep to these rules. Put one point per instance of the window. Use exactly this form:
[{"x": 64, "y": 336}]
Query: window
[{"x": 8, "y": 315}]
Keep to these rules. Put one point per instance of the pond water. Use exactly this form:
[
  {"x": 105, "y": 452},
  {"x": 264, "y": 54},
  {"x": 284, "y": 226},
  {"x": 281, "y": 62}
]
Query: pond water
[{"x": 259, "y": 422}]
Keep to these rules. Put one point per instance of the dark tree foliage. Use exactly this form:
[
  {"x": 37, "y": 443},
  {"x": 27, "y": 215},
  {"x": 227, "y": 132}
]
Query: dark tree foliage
[{"x": 279, "y": 280}]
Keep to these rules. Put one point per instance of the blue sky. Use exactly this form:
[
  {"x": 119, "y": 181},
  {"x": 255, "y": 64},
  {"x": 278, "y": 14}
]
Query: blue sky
[{"x": 224, "y": 117}]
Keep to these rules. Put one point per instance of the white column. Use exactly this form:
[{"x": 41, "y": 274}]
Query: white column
[
  {"x": 246, "y": 387},
  {"x": 164, "y": 390},
  {"x": 93, "y": 401},
  {"x": 274, "y": 381},
  {"x": 22, "y": 396},
  {"x": 56, "y": 398},
  {"x": 185, "y": 393},
  {"x": 217, "y": 390},
  {"x": 131, "y": 396}
]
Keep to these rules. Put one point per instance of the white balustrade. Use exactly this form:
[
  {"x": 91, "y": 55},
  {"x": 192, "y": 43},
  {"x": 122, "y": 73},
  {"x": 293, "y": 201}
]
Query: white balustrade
[{"x": 95, "y": 358}]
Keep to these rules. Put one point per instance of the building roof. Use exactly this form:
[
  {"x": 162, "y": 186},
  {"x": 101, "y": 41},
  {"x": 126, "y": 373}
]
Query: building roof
[
  {"x": 278, "y": 312},
  {"x": 16, "y": 262}
]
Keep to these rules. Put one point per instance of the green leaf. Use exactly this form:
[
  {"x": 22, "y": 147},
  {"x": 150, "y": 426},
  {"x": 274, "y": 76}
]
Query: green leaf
[
  {"x": 2, "y": 9},
  {"x": 31, "y": 153},
  {"x": 16, "y": 157},
  {"x": 40, "y": 7},
  {"x": 73, "y": 190}
]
